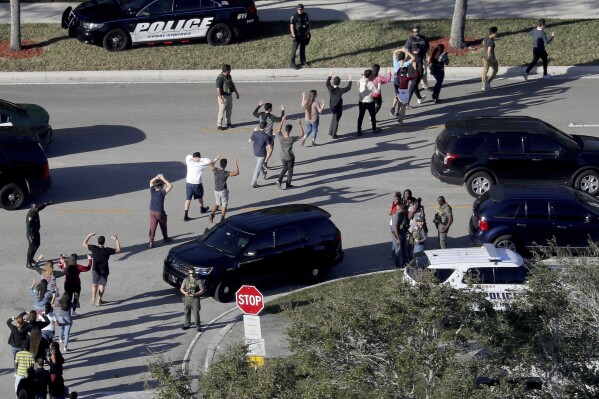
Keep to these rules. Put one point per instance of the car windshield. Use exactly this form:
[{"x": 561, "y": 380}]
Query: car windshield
[
  {"x": 226, "y": 239},
  {"x": 588, "y": 200},
  {"x": 133, "y": 5},
  {"x": 11, "y": 106},
  {"x": 563, "y": 138}
]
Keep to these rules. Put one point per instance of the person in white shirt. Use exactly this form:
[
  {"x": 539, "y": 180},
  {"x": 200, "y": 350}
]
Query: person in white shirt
[
  {"x": 366, "y": 102},
  {"x": 193, "y": 187}
]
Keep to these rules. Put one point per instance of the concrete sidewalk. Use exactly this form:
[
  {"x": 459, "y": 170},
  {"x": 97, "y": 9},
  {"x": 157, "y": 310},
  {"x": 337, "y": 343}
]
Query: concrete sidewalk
[{"x": 281, "y": 10}]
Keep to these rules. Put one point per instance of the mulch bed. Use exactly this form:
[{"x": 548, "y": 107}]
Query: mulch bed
[
  {"x": 29, "y": 49},
  {"x": 472, "y": 45}
]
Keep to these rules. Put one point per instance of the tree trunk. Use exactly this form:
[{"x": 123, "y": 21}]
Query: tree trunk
[
  {"x": 458, "y": 25},
  {"x": 15, "y": 25}
]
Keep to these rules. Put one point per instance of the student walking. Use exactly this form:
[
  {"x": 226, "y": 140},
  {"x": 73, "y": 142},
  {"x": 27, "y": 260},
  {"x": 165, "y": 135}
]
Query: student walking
[
  {"x": 437, "y": 61},
  {"x": 402, "y": 58},
  {"x": 313, "y": 109},
  {"x": 158, "y": 216},
  {"x": 336, "y": 101},
  {"x": 403, "y": 93},
  {"x": 299, "y": 26},
  {"x": 267, "y": 116},
  {"x": 191, "y": 288},
  {"x": 287, "y": 155},
  {"x": 379, "y": 80},
  {"x": 422, "y": 41},
  {"x": 194, "y": 189},
  {"x": 418, "y": 65},
  {"x": 65, "y": 321},
  {"x": 23, "y": 360},
  {"x": 365, "y": 101},
  {"x": 489, "y": 59},
  {"x": 261, "y": 145},
  {"x": 100, "y": 270},
  {"x": 221, "y": 191},
  {"x": 224, "y": 94},
  {"x": 539, "y": 41},
  {"x": 32, "y": 228},
  {"x": 72, "y": 281}
]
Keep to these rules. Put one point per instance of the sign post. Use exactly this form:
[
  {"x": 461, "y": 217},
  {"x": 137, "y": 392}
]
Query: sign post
[{"x": 251, "y": 302}]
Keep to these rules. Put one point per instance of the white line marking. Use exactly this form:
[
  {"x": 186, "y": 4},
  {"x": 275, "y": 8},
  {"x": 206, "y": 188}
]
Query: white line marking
[{"x": 581, "y": 125}]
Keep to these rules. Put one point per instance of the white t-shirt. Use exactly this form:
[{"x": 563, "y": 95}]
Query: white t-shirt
[
  {"x": 365, "y": 90},
  {"x": 195, "y": 169},
  {"x": 50, "y": 327}
]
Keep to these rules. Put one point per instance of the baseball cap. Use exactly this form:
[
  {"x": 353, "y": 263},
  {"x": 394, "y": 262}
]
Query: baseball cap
[{"x": 300, "y": 5}]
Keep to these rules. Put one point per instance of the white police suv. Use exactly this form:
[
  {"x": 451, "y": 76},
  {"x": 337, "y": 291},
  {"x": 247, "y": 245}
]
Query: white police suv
[
  {"x": 499, "y": 272},
  {"x": 117, "y": 24}
]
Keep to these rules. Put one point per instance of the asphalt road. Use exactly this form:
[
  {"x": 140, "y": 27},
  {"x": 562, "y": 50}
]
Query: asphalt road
[{"x": 111, "y": 139}]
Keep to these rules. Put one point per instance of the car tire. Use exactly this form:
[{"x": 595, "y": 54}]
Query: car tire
[
  {"x": 479, "y": 183},
  {"x": 12, "y": 196},
  {"x": 116, "y": 40},
  {"x": 220, "y": 35},
  {"x": 588, "y": 181},
  {"x": 226, "y": 289},
  {"x": 506, "y": 241}
]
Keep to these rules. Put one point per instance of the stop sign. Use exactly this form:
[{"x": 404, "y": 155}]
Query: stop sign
[{"x": 249, "y": 300}]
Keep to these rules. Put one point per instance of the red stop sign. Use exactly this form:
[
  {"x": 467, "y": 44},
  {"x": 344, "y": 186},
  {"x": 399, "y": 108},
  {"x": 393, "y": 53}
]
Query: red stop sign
[{"x": 249, "y": 300}]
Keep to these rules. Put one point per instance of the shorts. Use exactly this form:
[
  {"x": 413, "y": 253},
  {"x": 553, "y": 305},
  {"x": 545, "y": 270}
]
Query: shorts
[
  {"x": 221, "y": 198},
  {"x": 99, "y": 279},
  {"x": 403, "y": 95},
  {"x": 194, "y": 191}
]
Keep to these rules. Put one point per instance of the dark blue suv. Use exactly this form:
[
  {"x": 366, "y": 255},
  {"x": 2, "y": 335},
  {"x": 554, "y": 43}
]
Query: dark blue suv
[{"x": 525, "y": 217}]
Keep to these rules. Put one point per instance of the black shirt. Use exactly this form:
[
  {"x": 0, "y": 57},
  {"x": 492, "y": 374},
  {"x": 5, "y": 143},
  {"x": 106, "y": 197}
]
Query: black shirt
[
  {"x": 100, "y": 256},
  {"x": 301, "y": 23},
  {"x": 336, "y": 100}
]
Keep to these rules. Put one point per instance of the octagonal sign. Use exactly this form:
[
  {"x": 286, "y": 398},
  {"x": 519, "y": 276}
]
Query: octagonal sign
[{"x": 249, "y": 300}]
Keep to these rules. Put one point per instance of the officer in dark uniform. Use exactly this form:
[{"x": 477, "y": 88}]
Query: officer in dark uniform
[
  {"x": 191, "y": 288},
  {"x": 300, "y": 35},
  {"x": 32, "y": 227}
]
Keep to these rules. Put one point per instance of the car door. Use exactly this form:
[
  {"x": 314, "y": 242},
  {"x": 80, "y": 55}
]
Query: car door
[
  {"x": 293, "y": 253},
  {"x": 507, "y": 159},
  {"x": 155, "y": 22},
  {"x": 549, "y": 159},
  {"x": 570, "y": 223},
  {"x": 509, "y": 281},
  {"x": 259, "y": 256},
  {"x": 538, "y": 228}
]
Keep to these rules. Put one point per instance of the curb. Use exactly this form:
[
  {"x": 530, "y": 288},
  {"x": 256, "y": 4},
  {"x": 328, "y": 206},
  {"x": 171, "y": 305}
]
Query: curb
[{"x": 261, "y": 75}]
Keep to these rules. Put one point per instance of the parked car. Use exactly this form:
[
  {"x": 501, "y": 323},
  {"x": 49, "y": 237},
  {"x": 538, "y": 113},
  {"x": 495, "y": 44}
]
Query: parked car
[
  {"x": 484, "y": 151},
  {"x": 29, "y": 116},
  {"x": 23, "y": 167},
  {"x": 499, "y": 272},
  {"x": 117, "y": 24},
  {"x": 522, "y": 217},
  {"x": 282, "y": 240}
]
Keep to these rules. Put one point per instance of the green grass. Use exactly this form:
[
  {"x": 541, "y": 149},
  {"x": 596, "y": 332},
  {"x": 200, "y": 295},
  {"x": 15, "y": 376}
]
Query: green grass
[{"x": 334, "y": 44}]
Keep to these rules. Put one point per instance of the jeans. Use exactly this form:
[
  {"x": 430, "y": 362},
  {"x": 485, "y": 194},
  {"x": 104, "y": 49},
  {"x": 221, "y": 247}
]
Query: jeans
[
  {"x": 287, "y": 168},
  {"x": 439, "y": 74},
  {"x": 48, "y": 335},
  {"x": 378, "y": 103},
  {"x": 259, "y": 168},
  {"x": 414, "y": 88},
  {"x": 335, "y": 118},
  {"x": 362, "y": 108},
  {"x": 401, "y": 250},
  {"x": 536, "y": 54},
  {"x": 302, "y": 50},
  {"x": 494, "y": 65},
  {"x": 64, "y": 329},
  {"x": 312, "y": 129},
  {"x": 224, "y": 111},
  {"x": 157, "y": 218},
  {"x": 417, "y": 248}
]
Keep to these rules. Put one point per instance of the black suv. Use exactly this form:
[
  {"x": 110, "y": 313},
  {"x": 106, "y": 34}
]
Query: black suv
[
  {"x": 282, "y": 240},
  {"x": 484, "y": 151},
  {"x": 524, "y": 217},
  {"x": 23, "y": 166}
]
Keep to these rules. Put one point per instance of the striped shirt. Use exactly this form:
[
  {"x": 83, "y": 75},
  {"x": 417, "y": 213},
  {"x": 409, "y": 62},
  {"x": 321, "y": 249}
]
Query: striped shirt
[{"x": 24, "y": 360}]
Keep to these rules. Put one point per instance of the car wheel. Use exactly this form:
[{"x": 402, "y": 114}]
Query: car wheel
[
  {"x": 220, "y": 35},
  {"x": 12, "y": 197},
  {"x": 588, "y": 181},
  {"x": 226, "y": 289},
  {"x": 478, "y": 184},
  {"x": 507, "y": 242},
  {"x": 116, "y": 40}
]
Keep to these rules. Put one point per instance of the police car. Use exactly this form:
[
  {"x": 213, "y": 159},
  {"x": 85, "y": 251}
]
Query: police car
[
  {"x": 499, "y": 272},
  {"x": 117, "y": 24}
]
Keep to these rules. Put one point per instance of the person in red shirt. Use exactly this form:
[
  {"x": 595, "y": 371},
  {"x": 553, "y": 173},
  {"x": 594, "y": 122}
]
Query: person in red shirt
[
  {"x": 403, "y": 93},
  {"x": 72, "y": 282}
]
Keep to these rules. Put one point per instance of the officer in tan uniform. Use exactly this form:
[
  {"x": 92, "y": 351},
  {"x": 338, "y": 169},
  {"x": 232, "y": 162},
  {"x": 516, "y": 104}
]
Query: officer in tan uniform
[
  {"x": 191, "y": 288},
  {"x": 443, "y": 220}
]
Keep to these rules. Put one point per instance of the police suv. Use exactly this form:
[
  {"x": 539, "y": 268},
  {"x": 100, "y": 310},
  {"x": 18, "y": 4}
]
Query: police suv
[
  {"x": 499, "y": 272},
  {"x": 117, "y": 24}
]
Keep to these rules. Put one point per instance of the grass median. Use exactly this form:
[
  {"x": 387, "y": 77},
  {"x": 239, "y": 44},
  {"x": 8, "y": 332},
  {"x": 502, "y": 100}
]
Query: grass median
[{"x": 335, "y": 44}]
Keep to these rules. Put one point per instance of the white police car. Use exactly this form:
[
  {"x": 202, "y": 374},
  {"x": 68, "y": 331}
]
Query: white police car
[
  {"x": 499, "y": 272},
  {"x": 117, "y": 24}
]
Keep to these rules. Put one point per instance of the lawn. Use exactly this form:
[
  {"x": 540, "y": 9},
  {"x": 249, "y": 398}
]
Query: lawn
[{"x": 334, "y": 44}]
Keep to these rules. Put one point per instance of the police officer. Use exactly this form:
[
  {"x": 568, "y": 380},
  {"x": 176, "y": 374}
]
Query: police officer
[
  {"x": 32, "y": 228},
  {"x": 191, "y": 288},
  {"x": 443, "y": 220},
  {"x": 300, "y": 35},
  {"x": 224, "y": 94}
]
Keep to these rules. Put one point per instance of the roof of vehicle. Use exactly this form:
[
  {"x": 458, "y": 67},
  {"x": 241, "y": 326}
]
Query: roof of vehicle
[
  {"x": 267, "y": 218},
  {"x": 484, "y": 256},
  {"x": 531, "y": 191},
  {"x": 496, "y": 123},
  {"x": 14, "y": 133}
]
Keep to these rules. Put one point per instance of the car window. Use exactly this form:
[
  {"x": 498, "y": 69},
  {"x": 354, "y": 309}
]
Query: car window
[
  {"x": 4, "y": 118},
  {"x": 468, "y": 144},
  {"x": 482, "y": 275},
  {"x": 511, "y": 275},
  {"x": 183, "y": 5},
  {"x": 567, "y": 212},
  {"x": 286, "y": 236},
  {"x": 541, "y": 144},
  {"x": 511, "y": 211},
  {"x": 511, "y": 145},
  {"x": 158, "y": 7},
  {"x": 537, "y": 210},
  {"x": 442, "y": 274},
  {"x": 133, "y": 5},
  {"x": 226, "y": 239},
  {"x": 262, "y": 242}
]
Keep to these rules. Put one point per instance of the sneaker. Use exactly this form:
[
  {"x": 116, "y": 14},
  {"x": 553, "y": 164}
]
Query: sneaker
[
  {"x": 167, "y": 240},
  {"x": 151, "y": 245},
  {"x": 335, "y": 136},
  {"x": 424, "y": 86},
  {"x": 279, "y": 185},
  {"x": 73, "y": 313},
  {"x": 547, "y": 76},
  {"x": 421, "y": 99},
  {"x": 220, "y": 128},
  {"x": 294, "y": 66},
  {"x": 204, "y": 209},
  {"x": 438, "y": 100},
  {"x": 230, "y": 126},
  {"x": 484, "y": 88},
  {"x": 255, "y": 186},
  {"x": 488, "y": 86},
  {"x": 288, "y": 186},
  {"x": 185, "y": 327},
  {"x": 186, "y": 218},
  {"x": 377, "y": 130},
  {"x": 359, "y": 134},
  {"x": 408, "y": 107},
  {"x": 211, "y": 218},
  {"x": 64, "y": 349},
  {"x": 397, "y": 113},
  {"x": 264, "y": 173},
  {"x": 392, "y": 112},
  {"x": 60, "y": 340},
  {"x": 525, "y": 75}
]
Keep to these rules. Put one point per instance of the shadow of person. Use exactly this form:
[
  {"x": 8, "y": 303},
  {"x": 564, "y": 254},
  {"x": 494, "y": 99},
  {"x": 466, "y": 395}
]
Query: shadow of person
[{"x": 92, "y": 138}]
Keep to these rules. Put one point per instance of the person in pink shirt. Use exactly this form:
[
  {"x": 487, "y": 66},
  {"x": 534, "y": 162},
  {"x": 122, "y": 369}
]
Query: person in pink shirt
[
  {"x": 378, "y": 79},
  {"x": 403, "y": 92}
]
